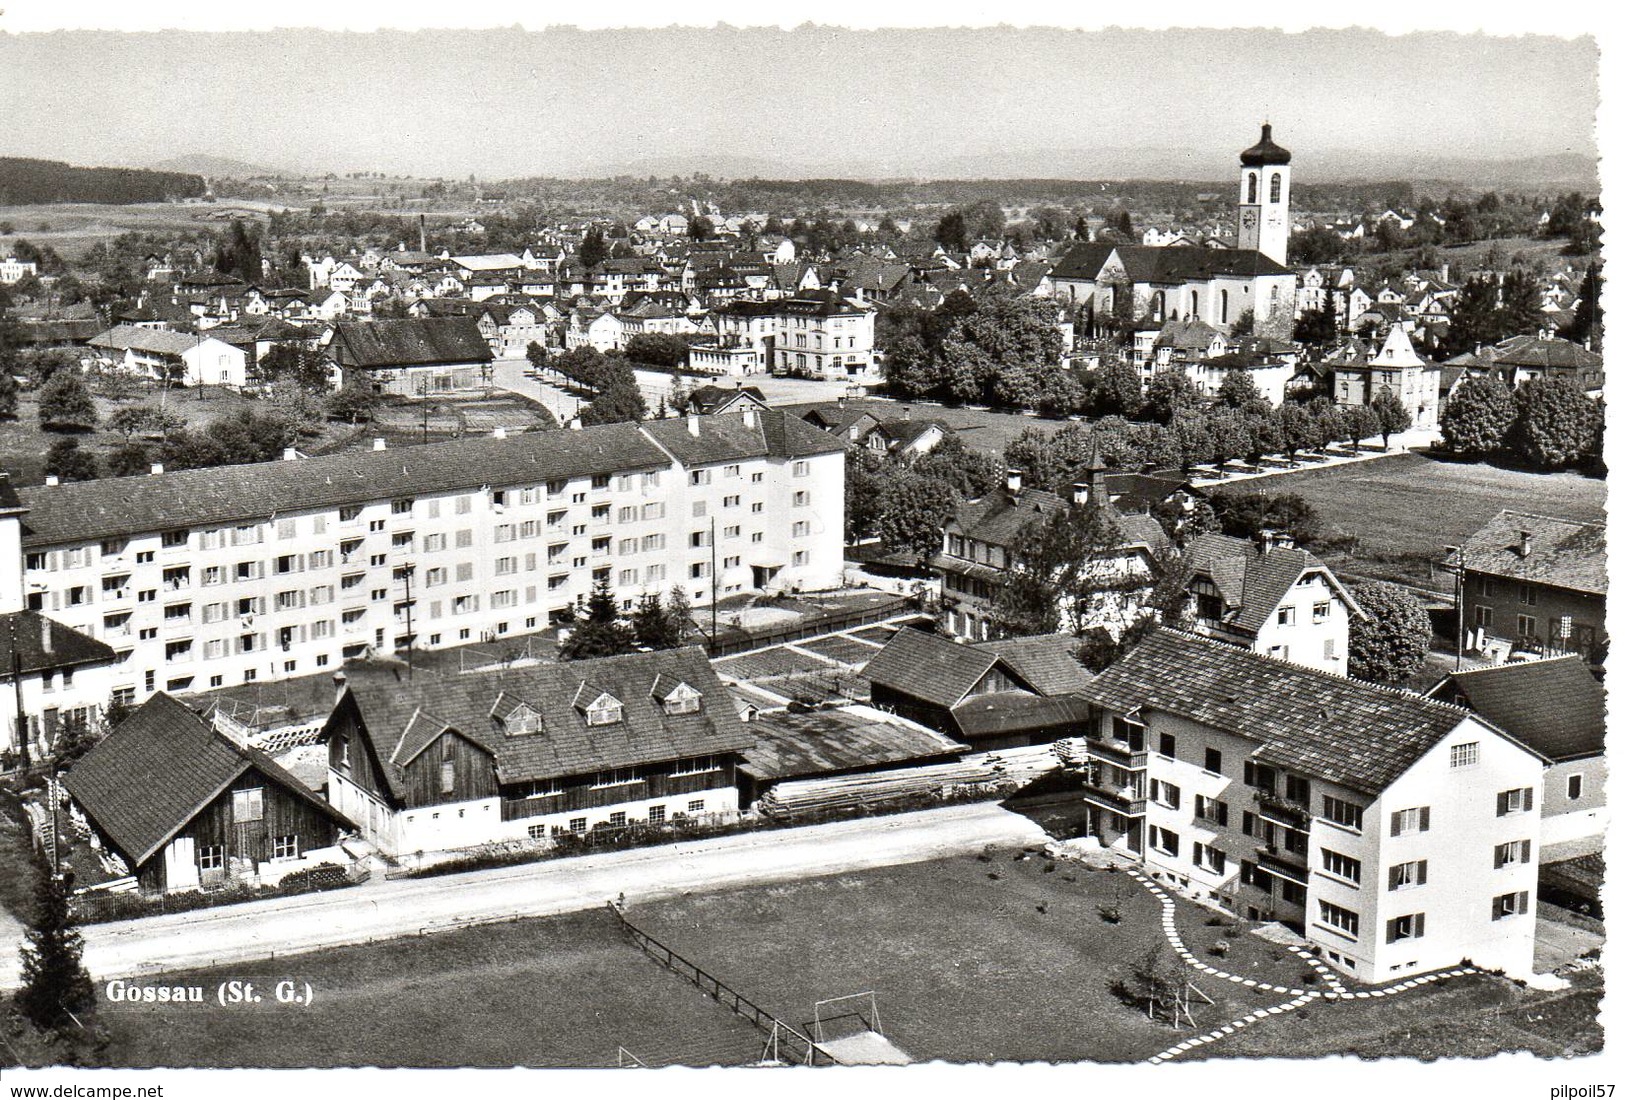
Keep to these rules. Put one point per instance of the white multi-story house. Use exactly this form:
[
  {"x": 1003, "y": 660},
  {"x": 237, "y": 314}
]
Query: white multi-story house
[
  {"x": 824, "y": 335},
  {"x": 203, "y": 578},
  {"x": 1398, "y": 833},
  {"x": 1271, "y": 598},
  {"x": 13, "y": 270}
]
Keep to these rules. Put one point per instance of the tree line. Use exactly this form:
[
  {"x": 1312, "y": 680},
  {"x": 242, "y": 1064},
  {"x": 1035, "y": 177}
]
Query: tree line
[{"x": 28, "y": 182}]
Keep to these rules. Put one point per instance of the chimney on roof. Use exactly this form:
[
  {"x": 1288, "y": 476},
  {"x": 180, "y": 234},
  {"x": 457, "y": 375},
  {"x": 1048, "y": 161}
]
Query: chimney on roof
[
  {"x": 45, "y": 633},
  {"x": 1267, "y": 540},
  {"x": 1012, "y": 483},
  {"x": 908, "y": 411},
  {"x": 52, "y": 479},
  {"x": 694, "y": 425},
  {"x": 289, "y": 454},
  {"x": 378, "y": 443},
  {"x": 157, "y": 468},
  {"x": 423, "y": 234},
  {"x": 1525, "y": 542},
  {"x": 499, "y": 433},
  {"x": 339, "y": 679},
  {"x": 575, "y": 423}
]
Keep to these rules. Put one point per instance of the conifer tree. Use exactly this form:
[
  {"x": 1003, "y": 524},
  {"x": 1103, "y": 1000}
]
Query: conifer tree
[{"x": 56, "y": 987}]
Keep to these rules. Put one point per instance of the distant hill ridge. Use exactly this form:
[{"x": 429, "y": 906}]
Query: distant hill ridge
[
  {"x": 213, "y": 167},
  {"x": 28, "y": 182}
]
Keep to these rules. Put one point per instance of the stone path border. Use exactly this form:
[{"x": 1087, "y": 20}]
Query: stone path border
[{"x": 1335, "y": 991}]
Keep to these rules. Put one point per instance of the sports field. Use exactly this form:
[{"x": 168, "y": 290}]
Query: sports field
[{"x": 1405, "y": 508}]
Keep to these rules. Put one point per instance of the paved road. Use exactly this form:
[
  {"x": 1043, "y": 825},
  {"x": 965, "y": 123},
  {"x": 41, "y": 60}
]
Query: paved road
[{"x": 383, "y": 910}]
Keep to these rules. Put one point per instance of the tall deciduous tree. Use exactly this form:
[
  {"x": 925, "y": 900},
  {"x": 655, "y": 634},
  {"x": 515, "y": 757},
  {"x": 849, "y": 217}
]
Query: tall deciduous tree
[
  {"x": 1169, "y": 394},
  {"x": 1392, "y": 415},
  {"x": 65, "y": 403},
  {"x": 913, "y": 511},
  {"x": 66, "y": 460},
  {"x": 1477, "y": 417},
  {"x": 594, "y": 249},
  {"x": 1554, "y": 425},
  {"x": 1390, "y": 643}
]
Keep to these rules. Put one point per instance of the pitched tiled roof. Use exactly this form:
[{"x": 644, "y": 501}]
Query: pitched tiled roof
[
  {"x": 1013, "y": 711},
  {"x": 1046, "y": 661},
  {"x": 730, "y": 436},
  {"x": 155, "y": 341},
  {"x": 1149, "y": 264},
  {"x": 1562, "y": 553},
  {"x": 42, "y": 644},
  {"x": 400, "y": 719},
  {"x": 158, "y": 769},
  {"x": 828, "y": 742},
  {"x": 1254, "y": 583},
  {"x": 1187, "y": 335},
  {"x": 929, "y": 666},
  {"x": 1000, "y": 519},
  {"x": 1534, "y": 352},
  {"x": 81, "y": 510},
  {"x": 408, "y": 342},
  {"x": 1354, "y": 734},
  {"x": 1555, "y": 707}
]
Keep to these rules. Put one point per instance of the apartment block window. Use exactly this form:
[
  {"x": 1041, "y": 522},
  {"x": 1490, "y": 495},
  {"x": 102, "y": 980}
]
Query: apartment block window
[
  {"x": 800, "y": 529},
  {"x": 1402, "y": 876},
  {"x": 248, "y": 805},
  {"x": 1165, "y": 745},
  {"x": 730, "y": 532},
  {"x": 465, "y": 571},
  {"x": 1322, "y": 611},
  {"x": 699, "y": 570},
  {"x": 699, "y": 477},
  {"x": 172, "y": 540},
  {"x": 1516, "y": 801},
  {"x": 1405, "y": 822},
  {"x": 799, "y": 469},
  {"x": 1513, "y": 851},
  {"x": 756, "y": 507},
  {"x": 1297, "y": 790},
  {"x": 1464, "y": 755},
  {"x": 1339, "y": 919},
  {"x": 1213, "y": 761},
  {"x": 731, "y": 501},
  {"x": 1340, "y": 865},
  {"x": 401, "y": 507},
  {"x": 1211, "y": 809},
  {"x": 1294, "y": 893},
  {"x": 1527, "y": 595},
  {"x": 798, "y": 558},
  {"x": 1208, "y": 858},
  {"x": 1408, "y": 927},
  {"x": 800, "y": 499},
  {"x": 1165, "y": 841},
  {"x": 1509, "y": 905},
  {"x": 1285, "y": 616},
  {"x": 1165, "y": 793},
  {"x": 1343, "y": 813},
  {"x": 1526, "y": 626}
]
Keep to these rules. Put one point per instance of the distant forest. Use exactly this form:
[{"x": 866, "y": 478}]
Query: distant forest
[{"x": 26, "y": 182}]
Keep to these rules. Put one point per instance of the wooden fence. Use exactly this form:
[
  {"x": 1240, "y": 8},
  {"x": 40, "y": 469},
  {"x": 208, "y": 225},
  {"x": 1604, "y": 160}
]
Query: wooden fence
[
  {"x": 791, "y": 1045},
  {"x": 809, "y": 627}
]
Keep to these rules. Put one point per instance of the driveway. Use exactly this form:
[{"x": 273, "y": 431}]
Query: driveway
[{"x": 409, "y": 906}]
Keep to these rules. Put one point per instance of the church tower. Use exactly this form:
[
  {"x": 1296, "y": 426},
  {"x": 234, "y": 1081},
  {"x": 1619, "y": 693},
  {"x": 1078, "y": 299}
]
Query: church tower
[{"x": 1263, "y": 221}]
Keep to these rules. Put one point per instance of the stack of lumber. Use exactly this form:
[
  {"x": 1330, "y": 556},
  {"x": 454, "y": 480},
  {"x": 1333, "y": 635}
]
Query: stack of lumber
[{"x": 1072, "y": 753}]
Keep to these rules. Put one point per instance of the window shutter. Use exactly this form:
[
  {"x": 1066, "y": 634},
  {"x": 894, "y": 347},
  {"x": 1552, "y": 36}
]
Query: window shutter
[
  {"x": 1418, "y": 923},
  {"x": 1393, "y": 877},
  {"x": 1495, "y": 909},
  {"x": 1393, "y": 826},
  {"x": 1524, "y": 852},
  {"x": 1393, "y": 929},
  {"x": 1529, "y": 798},
  {"x": 1424, "y": 824},
  {"x": 1501, "y": 804},
  {"x": 1248, "y": 775},
  {"x": 1500, "y": 856},
  {"x": 1422, "y": 873},
  {"x": 1523, "y": 902},
  {"x": 1224, "y": 814}
]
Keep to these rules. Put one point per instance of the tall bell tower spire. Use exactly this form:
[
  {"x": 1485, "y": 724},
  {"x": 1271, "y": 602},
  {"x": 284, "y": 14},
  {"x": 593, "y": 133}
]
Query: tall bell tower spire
[{"x": 1264, "y": 212}]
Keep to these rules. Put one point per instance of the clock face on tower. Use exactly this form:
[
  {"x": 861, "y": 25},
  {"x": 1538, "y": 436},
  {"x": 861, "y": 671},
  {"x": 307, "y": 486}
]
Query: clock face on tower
[{"x": 1249, "y": 218}]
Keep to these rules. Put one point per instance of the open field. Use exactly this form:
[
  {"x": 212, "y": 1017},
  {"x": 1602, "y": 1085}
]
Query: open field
[
  {"x": 1382, "y": 500},
  {"x": 564, "y": 991},
  {"x": 72, "y": 228},
  {"x": 1000, "y": 956}
]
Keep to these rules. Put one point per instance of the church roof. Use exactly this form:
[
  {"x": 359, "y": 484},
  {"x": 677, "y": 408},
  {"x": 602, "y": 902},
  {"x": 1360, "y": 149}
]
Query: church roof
[{"x": 1265, "y": 152}]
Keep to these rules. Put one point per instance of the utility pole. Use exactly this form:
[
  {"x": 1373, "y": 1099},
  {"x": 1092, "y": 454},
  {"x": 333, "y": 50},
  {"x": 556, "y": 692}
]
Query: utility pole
[
  {"x": 23, "y": 758},
  {"x": 1455, "y": 572},
  {"x": 405, "y": 573},
  {"x": 713, "y": 584}
]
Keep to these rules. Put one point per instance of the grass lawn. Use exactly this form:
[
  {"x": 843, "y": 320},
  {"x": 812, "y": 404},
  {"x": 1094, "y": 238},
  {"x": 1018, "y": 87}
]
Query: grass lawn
[
  {"x": 1472, "y": 1017},
  {"x": 562, "y": 991},
  {"x": 965, "y": 966},
  {"x": 1380, "y": 502}
]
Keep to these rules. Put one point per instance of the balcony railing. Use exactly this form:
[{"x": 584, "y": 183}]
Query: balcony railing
[
  {"x": 1123, "y": 800},
  {"x": 1282, "y": 864},
  {"x": 1279, "y": 810},
  {"x": 1119, "y": 753}
]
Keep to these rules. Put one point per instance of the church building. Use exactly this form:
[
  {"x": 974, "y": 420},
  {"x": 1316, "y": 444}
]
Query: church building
[{"x": 1217, "y": 286}]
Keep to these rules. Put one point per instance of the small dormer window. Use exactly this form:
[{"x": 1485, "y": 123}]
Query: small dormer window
[
  {"x": 522, "y": 719},
  {"x": 685, "y": 700},
  {"x": 604, "y": 711}
]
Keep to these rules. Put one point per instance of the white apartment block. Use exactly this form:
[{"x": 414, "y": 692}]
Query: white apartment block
[
  {"x": 204, "y": 578},
  {"x": 13, "y": 270},
  {"x": 1399, "y": 834}
]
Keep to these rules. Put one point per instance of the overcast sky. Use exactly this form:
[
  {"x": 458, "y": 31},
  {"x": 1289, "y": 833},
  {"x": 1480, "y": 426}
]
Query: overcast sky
[{"x": 815, "y": 100}]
